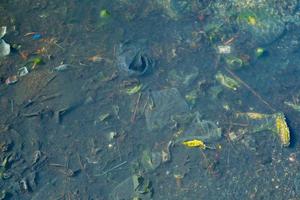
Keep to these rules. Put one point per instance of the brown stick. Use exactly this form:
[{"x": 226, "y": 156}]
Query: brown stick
[
  {"x": 250, "y": 89},
  {"x": 135, "y": 108}
]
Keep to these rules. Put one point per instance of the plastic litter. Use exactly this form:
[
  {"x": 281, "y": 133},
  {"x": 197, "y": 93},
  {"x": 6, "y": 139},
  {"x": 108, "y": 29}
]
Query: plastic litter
[
  {"x": 227, "y": 81},
  {"x": 3, "y": 31},
  {"x": 258, "y": 122},
  {"x": 224, "y": 49},
  {"x": 134, "y": 187},
  {"x": 200, "y": 131},
  {"x": 262, "y": 21},
  {"x": 184, "y": 77},
  {"x": 23, "y": 71},
  {"x": 234, "y": 63},
  {"x": 62, "y": 67},
  {"x": 4, "y": 47},
  {"x": 260, "y": 52},
  {"x": 104, "y": 13},
  {"x": 282, "y": 129},
  {"x": 11, "y": 80},
  {"x": 135, "y": 89},
  {"x": 36, "y": 36},
  {"x": 163, "y": 105},
  {"x": 150, "y": 160},
  {"x": 195, "y": 143},
  {"x": 134, "y": 58}
]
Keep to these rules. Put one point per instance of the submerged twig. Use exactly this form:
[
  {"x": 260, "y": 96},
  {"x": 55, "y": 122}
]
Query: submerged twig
[
  {"x": 250, "y": 89},
  {"x": 136, "y": 108},
  {"x": 46, "y": 98},
  {"x": 113, "y": 168}
]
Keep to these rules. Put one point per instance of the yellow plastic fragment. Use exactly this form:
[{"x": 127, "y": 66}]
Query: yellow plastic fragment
[
  {"x": 283, "y": 130},
  {"x": 251, "y": 20},
  {"x": 134, "y": 89},
  {"x": 195, "y": 143}
]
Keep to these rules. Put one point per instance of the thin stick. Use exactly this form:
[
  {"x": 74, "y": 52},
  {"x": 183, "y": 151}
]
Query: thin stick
[
  {"x": 113, "y": 168},
  {"x": 236, "y": 124},
  {"x": 135, "y": 108},
  {"x": 12, "y": 105},
  {"x": 250, "y": 89},
  {"x": 229, "y": 41}
]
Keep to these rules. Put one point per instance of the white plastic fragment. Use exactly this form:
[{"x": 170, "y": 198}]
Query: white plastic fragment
[
  {"x": 3, "y": 31},
  {"x": 4, "y": 47},
  {"x": 23, "y": 71},
  {"x": 224, "y": 49},
  {"x": 11, "y": 80},
  {"x": 62, "y": 67}
]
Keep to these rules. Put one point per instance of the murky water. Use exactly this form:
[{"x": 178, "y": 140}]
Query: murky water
[{"x": 115, "y": 91}]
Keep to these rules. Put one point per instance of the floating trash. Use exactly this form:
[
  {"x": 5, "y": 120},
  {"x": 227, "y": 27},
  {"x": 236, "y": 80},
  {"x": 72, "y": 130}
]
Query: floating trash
[
  {"x": 4, "y": 47},
  {"x": 3, "y": 31},
  {"x": 194, "y": 143},
  {"x": 162, "y": 105},
  {"x": 260, "y": 52},
  {"x": 198, "y": 132},
  {"x": 36, "y": 61},
  {"x": 135, "y": 89},
  {"x": 183, "y": 77},
  {"x": 134, "y": 58},
  {"x": 257, "y": 122},
  {"x": 36, "y": 36},
  {"x": 263, "y": 22},
  {"x": 150, "y": 160},
  {"x": 224, "y": 49},
  {"x": 282, "y": 130},
  {"x": 227, "y": 81},
  {"x": 234, "y": 63},
  {"x": 62, "y": 67},
  {"x": 23, "y": 71},
  {"x": 11, "y": 80},
  {"x": 133, "y": 187},
  {"x": 104, "y": 13}
]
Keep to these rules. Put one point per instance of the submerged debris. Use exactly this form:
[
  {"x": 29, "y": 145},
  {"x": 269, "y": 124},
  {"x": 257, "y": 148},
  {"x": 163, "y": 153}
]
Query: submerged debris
[
  {"x": 4, "y": 47},
  {"x": 227, "y": 81},
  {"x": 11, "y": 80},
  {"x": 258, "y": 122},
  {"x": 282, "y": 130},
  {"x": 195, "y": 143}
]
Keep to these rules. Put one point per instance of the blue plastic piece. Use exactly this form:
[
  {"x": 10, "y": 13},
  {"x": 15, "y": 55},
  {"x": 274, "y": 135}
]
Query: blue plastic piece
[{"x": 37, "y": 36}]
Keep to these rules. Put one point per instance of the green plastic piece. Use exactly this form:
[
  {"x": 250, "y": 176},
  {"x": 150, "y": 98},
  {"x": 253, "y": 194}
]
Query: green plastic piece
[
  {"x": 104, "y": 13},
  {"x": 227, "y": 81},
  {"x": 259, "y": 52},
  {"x": 234, "y": 63}
]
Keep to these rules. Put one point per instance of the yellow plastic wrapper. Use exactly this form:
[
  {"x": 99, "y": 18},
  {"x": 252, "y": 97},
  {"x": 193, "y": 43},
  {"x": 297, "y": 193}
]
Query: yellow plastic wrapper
[
  {"x": 283, "y": 130},
  {"x": 194, "y": 143}
]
